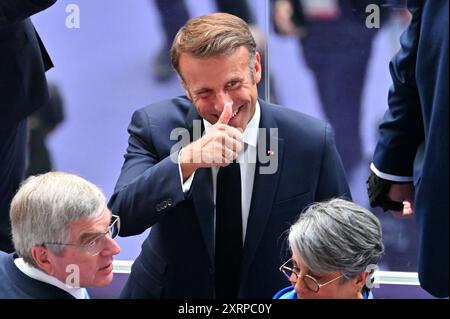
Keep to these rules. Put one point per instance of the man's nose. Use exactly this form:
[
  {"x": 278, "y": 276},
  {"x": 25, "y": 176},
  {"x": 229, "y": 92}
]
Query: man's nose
[
  {"x": 111, "y": 247},
  {"x": 221, "y": 99}
]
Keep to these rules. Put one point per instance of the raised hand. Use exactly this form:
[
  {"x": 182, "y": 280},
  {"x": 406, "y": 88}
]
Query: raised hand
[{"x": 219, "y": 147}]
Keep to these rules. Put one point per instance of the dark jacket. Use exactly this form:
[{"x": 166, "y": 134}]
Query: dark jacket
[
  {"x": 14, "y": 284},
  {"x": 414, "y": 133},
  {"x": 23, "y": 89}
]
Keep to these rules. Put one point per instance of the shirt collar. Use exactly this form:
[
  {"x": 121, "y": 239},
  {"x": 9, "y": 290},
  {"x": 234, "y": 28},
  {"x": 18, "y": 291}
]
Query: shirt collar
[
  {"x": 250, "y": 135},
  {"x": 37, "y": 274}
]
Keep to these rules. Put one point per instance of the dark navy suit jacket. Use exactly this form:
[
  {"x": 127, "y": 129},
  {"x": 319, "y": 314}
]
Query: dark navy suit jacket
[
  {"x": 414, "y": 134},
  {"x": 177, "y": 258},
  {"x": 23, "y": 89},
  {"x": 14, "y": 284}
]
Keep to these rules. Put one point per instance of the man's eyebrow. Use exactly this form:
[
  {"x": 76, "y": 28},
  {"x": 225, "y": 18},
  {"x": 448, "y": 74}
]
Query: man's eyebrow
[
  {"x": 202, "y": 90},
  {"x": 236, "y": 78},
  {"x": 89, "y": 235}
]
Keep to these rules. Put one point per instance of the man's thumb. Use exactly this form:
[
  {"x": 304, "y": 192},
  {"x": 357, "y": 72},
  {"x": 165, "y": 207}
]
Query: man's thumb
[{"x": 226, "y": 114}]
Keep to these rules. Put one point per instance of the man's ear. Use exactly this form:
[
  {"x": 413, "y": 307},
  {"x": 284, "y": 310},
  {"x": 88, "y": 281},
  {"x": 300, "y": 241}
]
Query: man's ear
[
  {"x": 43, "y": 259},
  {"x": 257, "y": 69}
]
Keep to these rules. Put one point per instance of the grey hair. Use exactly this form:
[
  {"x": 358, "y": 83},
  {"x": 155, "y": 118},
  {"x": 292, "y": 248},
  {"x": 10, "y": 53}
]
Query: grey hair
[
  {"x": 215, "y": 34},
  {"x": 337, "y": 235},
  {"x": 44, "y": 207}
]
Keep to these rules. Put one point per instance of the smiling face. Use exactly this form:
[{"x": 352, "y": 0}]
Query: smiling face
[
  {"x": 213, "y": 81},
  {"x": 95, "y": 271}
]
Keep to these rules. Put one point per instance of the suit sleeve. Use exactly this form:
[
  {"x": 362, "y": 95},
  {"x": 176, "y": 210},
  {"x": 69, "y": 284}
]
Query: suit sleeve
[
  {"x": 148, "y": 185},
  {"x": 12, "y": 11},
  {"x": 332, "y": 179},
  {"x": 401, "y": 131}
]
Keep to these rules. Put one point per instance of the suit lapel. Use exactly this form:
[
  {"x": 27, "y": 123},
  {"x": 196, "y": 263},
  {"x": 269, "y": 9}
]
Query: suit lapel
[
  {"x": 202, "y": 190},
  {"x": 264, "y": 189}
]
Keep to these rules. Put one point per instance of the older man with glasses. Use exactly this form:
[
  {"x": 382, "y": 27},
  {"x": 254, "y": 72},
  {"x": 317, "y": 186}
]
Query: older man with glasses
[
  {"x": 335, "y": 248},
  {"x": 63, "y": 235}
]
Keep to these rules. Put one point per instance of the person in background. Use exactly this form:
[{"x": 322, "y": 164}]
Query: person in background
[
  {"x": 41, "y": 124},
  {"x": 174, "y": 14},
  {"x": 335, "y": 246},
  {"x": 63, "y": 236},
  {"x": 23, "y": 89},
  {"x": 336, "y": 46}
]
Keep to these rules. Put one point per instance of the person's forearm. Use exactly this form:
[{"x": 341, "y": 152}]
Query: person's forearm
[
  {"x": 142, "y": 200},
  {"x": 187, "y": 163}
]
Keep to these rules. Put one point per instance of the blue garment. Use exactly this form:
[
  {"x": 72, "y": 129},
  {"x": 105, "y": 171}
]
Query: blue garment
[
  {"x": 86, "y": 294},
  {"x": 289, "y": 293},
  {"x": 177, "y": 258},
  {"x": 14, "y": 284},
  {"x": 286, "y": 293}
]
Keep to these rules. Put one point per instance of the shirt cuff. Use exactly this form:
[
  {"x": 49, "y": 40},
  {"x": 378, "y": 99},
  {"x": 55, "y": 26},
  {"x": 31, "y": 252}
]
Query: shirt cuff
[
  {"x": 389, "y": 177},
  {"x": 186, "y": 186}
]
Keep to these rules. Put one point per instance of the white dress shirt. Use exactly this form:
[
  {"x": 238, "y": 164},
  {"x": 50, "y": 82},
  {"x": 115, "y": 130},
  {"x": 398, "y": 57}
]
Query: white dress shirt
[
  {"x": 247, "y": 164},
  {"x": 32, "y": 272}
]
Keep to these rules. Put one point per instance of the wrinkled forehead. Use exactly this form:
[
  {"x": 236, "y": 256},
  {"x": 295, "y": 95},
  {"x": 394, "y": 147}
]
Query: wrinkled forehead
[
  {"x": 202, "y": 71},
  {"x": 85, "y": 227}
]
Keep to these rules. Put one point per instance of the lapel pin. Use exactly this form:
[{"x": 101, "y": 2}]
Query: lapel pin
[{"x": 270, "y": 152}]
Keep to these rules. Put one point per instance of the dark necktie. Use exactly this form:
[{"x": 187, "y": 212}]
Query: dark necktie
[{"x": 228, "y": 251}]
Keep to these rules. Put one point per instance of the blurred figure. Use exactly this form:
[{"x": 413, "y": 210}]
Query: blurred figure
[
  {"x": 336, "y": 45},
  {"x": 23, "y": 89},
  {"x": 410, "y": 162},
  {"x": 41, "y": 124},
  {"x": 63, "y": 235},
  {"x": 335, "y": 247},
  {"x": 174, "y": 14}
]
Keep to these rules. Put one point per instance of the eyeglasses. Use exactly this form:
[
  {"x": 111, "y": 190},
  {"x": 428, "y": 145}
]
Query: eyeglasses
[
  {"x": 96, "y": 245},
  {"x": 310, "y": 282}
]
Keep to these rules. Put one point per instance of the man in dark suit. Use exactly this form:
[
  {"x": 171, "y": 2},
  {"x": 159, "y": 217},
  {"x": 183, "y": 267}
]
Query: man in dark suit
[
  {"x": 23, "y": 89},
  {"x": 63, "y": 235},
  {"x": 410, "y": 164},
  {"x": 218, "y": 213}
]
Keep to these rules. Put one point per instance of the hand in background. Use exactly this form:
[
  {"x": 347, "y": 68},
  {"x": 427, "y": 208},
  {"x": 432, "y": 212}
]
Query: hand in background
[{"x": 403, "y": 193}]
